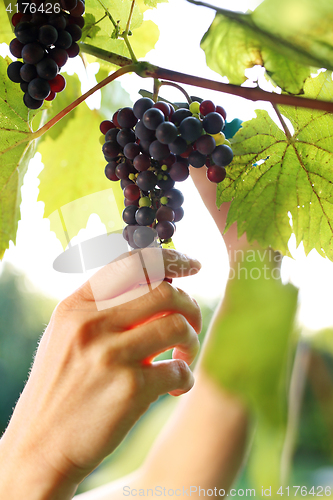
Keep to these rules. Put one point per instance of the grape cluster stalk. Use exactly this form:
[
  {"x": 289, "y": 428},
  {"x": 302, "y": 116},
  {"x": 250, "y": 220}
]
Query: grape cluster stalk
[
  {"x": 150, "y": 147},
  {"x": 46, "y": 35}
]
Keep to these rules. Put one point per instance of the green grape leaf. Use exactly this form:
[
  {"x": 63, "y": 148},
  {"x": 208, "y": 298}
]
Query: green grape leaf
[
  {"x": 273, "y": 37},
  {"x": 149, "y": 4},
  {"x": 153, "y": 3},
  {"x": 304, "y": 25},
  {"x": 90, "y": 28},
  {"x": 6, "y": 28},
  {"x": 230, "y": 49},
  {"x": 280, "y": 185},
  {"x": 76, "y": 158},
  {"x": 144, "y": 33},
  {"x": 17, "y": 147}
]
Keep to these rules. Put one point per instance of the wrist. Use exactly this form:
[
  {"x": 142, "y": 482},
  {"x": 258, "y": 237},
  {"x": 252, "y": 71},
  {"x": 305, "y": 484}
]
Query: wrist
[{"x": 24, "y": 473}]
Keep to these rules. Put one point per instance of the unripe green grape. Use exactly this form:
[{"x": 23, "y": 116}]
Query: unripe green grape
[
  {"x": 219, "y": 138},
  {"x": 164, "y": 168},
  {"x": 144, "y": 202},
  {"x": 196, "y": 115},
  {"x": 165, "y": 177},
  {"x": 195, "y": 107},
  {"x": 159, "y": 177},
  {"x": 131, "y": 177},
  {"x": 164, "y": 200}
]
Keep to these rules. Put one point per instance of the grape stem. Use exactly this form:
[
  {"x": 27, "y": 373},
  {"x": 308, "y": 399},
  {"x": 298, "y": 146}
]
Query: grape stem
[
  {"x": 70, "y": 107},
  {"x": 128, "y": 25},
  {"x": 125, "y": 34},
  {"x": 283, "y": 123},
  {"x": 107, "y": 13},
  {"x": 157, "y": 86},
  {"x": 172, "y": 84}
]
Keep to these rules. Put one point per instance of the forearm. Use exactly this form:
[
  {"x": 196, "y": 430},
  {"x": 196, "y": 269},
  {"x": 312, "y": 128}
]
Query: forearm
[
  {"x": 26, "y": 475},
  {"x": 207, "y": 191},
  {"x": 203, "y": 444}
]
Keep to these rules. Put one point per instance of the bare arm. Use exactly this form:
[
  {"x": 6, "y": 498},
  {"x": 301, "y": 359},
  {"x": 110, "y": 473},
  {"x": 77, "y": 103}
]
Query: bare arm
[{"x": 204, "y": 442}]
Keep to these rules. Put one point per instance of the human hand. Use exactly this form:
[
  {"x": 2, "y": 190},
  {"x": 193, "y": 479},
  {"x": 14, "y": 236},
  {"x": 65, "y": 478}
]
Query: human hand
[{"x": 93, "y": 374}]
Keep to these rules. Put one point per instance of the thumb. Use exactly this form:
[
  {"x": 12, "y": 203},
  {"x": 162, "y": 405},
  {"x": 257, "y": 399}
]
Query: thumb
[{"x": 132, "y": 269}]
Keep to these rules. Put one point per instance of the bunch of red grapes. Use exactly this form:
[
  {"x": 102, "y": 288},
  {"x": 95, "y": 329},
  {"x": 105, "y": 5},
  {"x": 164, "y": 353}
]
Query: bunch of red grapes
[
  {"x": 148, "y": 148},
  {"x": 46, "y": 36}
]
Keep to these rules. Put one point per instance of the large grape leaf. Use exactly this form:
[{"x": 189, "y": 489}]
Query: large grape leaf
[
  {"x": 74, "y": 168},
  {"x": 280, "y": 185},
  {"x": 145, "y": 33},
  {"x": 17, "y": 147},
  {"x": 287, "y": 38}
]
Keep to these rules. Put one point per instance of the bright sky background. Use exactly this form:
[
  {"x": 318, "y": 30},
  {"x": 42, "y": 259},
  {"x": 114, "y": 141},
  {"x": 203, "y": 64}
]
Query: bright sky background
[{"x": 182, "y": 26}]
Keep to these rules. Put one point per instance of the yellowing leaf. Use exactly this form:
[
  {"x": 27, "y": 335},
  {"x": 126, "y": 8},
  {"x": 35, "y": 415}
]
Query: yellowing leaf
[
  {"x": 16, "y": 149},
  {"x": 6, "y": 28},
  {"x": 73, "y": 169},
  {"x": 287, "y": 38},
  {"x": 223, "y": 41},
  {"x": 145, "y": 38}
]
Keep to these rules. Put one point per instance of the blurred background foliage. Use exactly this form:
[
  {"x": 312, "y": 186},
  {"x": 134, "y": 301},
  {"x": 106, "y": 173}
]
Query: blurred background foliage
[{"x": 24, "y": 313}]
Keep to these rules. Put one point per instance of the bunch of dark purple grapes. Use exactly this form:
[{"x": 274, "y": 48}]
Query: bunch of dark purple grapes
[
  {"x": 149, "y": 148},
  {"x": 46, "y": 36}
]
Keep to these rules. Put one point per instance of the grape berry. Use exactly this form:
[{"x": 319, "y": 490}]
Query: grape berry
[
  {"x": 150, "y": 147},
  {"x": 44, "y": 42}
]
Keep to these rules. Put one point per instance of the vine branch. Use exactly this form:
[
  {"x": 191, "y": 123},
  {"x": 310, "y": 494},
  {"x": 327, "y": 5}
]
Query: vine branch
[
  {"x": 110, "y": 57},
  {"x": 146, "y": 70},
  {"x": 252, "y": 94}
]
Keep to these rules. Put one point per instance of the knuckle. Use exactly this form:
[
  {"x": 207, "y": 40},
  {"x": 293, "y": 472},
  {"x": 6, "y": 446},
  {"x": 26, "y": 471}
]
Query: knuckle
[
  {"x": 180, "y": 325},
  {"x": 183, "y": 371},
  {"x": 125, "y": 264},
  {"x": 132, "y": 382},
  {"x": 165, "y": 292},
  {"x": 85, "y": 329}
]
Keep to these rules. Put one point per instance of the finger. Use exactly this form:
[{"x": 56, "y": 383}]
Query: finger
[
  {"x": 170, "y": 376},
  {"x": 164, "y": 299},
  {"x": 149, "y": 340},
  {"x": 139, "y": 267}
]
